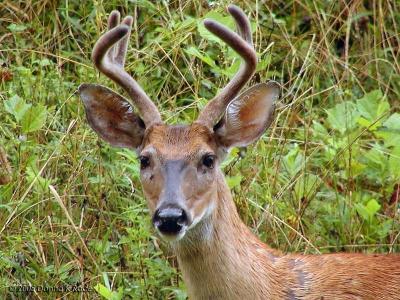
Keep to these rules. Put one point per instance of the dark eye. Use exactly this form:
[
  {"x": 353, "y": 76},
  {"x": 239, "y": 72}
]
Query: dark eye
[
  {"x": 208, "y": 161},
  {"x": 144, "y": 162}
]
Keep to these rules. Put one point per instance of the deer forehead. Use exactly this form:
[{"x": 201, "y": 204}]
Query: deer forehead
[{"x": 179, "y": 141}]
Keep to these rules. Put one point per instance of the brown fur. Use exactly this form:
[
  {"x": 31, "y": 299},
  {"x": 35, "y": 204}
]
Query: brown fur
[
  {"x": 235, "y": 264},
  {"x": 186, "y": 143},
  {"x": 221, "y": 258}
]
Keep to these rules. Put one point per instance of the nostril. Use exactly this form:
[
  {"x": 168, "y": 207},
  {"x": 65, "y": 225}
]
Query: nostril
[
  {"x": 182, "y": 218},
  {"x": 170, "y": 220}
]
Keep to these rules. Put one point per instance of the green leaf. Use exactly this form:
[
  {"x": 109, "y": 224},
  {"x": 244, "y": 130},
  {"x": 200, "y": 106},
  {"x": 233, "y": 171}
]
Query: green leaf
[
  {"x": 376, "y": 155},
  {"x": 306, "y": 186},
  {"x": 368, "y": 211},
  {"x": 203, "y": 57},
  {"x": 361, "y": 210},
  {"x": 371, "y": 107},
  {"x": 106, "y": 291},
  {"x": 390, "y": 132},
  {"x": 394, "y": 162},
  {"x": 45, "y": 62},
  {"x": 16, "y": 27},
  {"x": 17, "y": 107},
  {"x": 293, "y": 162},
  {"x": 343, "y": 116},
  {"x": 188, "y": 22},
  {"x": 393, "y": 122},
  {"x": 103, "y": 291},
  {"x": 319, "y": 131},
  {"x": 64, "y": 271},
  {"x": 224, "y": 20},
  {"x": 234, "y": 181},
  {"x": 34, "y": 118},
  {"x": 372, "y": 207},
  {"x": 376, "y": 164},
  {"x": 41, "y": 183},
  {"x": 264, "y": 62}
]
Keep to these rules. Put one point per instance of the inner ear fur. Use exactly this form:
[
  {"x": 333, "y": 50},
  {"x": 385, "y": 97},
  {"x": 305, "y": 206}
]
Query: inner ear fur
[
  {"x": 111, "y": 116},
  {"x": 247, "y": 116}
]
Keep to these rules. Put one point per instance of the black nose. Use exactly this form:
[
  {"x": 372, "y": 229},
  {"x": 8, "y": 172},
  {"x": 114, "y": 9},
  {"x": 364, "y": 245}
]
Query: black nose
[{"x": 170, "y": 220}]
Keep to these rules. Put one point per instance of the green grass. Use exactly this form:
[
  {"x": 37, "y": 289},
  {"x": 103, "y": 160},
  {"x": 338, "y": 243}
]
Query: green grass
[{"x": 324, "y": 178}]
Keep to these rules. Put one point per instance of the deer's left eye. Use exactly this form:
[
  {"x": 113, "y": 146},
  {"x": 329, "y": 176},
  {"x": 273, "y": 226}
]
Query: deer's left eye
[
  {"x": 209, "y": 161},
  {"x": 144, "y": 162}
]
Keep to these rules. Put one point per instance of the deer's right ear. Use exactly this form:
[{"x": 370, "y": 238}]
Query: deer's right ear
[
  {"x": 247, "y": 116},
  {"x": 111, "y": 116}
]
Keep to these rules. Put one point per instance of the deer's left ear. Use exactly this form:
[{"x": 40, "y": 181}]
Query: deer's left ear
[{"x": 247, "y": 116}]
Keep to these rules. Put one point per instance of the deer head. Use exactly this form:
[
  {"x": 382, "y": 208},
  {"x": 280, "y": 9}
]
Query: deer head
[{"x": 179, "y": 164}]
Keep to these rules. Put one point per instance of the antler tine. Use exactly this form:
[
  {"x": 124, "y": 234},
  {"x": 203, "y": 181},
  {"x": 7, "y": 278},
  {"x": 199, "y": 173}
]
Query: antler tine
[
  {"x": 112, "y": 22},
  {"x": 119, "y": 54},
  {"x": 242, "y": 44},
  {"x": 109, "y": 55},
  {"x": 242, "y": 23}
]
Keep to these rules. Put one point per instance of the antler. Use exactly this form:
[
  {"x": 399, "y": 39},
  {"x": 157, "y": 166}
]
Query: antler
[
  {"x": 242, "y": 44},
  {"x": 109, "y": 55}
]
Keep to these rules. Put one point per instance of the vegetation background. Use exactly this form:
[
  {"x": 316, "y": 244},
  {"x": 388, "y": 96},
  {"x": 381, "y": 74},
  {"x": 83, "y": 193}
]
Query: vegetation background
[{"x": 324, "y": 178}]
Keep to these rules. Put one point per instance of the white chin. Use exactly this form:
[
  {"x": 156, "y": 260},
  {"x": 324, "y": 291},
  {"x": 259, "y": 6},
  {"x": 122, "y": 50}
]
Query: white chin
[{"x": 172, "y": 237}]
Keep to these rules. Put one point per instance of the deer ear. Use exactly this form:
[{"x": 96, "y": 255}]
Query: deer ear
[
  {"x": 247, "y": 116},
  {"x": 111, "y": 116}
]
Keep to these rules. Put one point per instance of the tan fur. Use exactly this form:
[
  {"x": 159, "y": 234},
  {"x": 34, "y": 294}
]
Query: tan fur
[
  {"x": 234, "y": 264},
  {"x": 178, "y": 143},
  {"x": 221, "y": 258}
]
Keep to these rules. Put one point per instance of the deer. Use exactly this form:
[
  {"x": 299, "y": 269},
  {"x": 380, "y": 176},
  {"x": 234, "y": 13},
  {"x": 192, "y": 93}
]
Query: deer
[{"x": 191, "y": 206}]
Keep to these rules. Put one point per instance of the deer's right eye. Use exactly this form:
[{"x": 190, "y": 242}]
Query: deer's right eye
[
  {"x": 208, "y": 161},
  {"x": 144, "y": 162}
]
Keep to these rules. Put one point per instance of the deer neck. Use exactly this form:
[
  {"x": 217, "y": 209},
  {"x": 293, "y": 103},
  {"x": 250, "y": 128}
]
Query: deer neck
[{"x": 221, "y": 258}]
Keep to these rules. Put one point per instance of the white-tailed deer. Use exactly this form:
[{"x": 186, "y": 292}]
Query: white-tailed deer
[{"x": 191, "y": 204}]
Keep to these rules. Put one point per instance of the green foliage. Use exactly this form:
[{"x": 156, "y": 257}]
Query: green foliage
[
  {"x": 107, "y": 293},
  {"x": 390, "y": 131},
  {"x": 214, "y": 15},
  {"x": 328, "y": 167},
  {"x": 372, "y": 107},
  {"x": 17, "y": 107},
  {"x": 368, "y": 211},
  {"x": 34, "y": 118},
  {"x": 343, "y": 116}
]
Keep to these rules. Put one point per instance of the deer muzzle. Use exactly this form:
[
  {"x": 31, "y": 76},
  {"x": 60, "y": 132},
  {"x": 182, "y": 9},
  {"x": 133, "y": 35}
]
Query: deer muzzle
[{"x": 170, "y": 221}]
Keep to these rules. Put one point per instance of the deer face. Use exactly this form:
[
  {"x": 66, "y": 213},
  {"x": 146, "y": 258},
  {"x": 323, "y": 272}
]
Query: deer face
[
  {"x": 178, "y": 170},
  {"x": 179, "y": 164}
]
